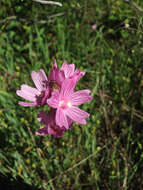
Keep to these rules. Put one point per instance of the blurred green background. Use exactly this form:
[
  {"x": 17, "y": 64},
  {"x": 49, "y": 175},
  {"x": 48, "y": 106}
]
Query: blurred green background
[{"x": 107, "y": 153}]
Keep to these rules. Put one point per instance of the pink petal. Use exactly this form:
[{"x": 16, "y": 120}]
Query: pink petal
[
  {"x": 49, "y": 131},
  {"x": 60, "y": 77},
  {"x": 77, "y": 114},
  {"x": 70, "y": 121},
  {"x": 29, "y": 90},
  {"x": 26, "y": 95},
  {"x": 55, "y": 63},
  {"x": 46, "y": 96},
  {"x": 42, "y": 75},
  {"x": 56, "y": 133},
  {"x": 52, "y": 115},
  {"x": 54, "y": 100},
  {"x": 61, "y": 119},
  {"x": 43, "y": 117},
  {"x": 39, "y": 78},
  {"x": 43, "y": 131},
  {"x": 80, "y": 97},
  {"x": 27, "y": 104},
  {"x": 53, "y": 73},
  {"x": 56, "y": 75},
  {"x": 68, "y": 69},
  {"x": 78, "y": 74},
  {"x": 94, "y": 26},
  {"x": 67, "y": 88},
  {"x": 50, "y": 126}
]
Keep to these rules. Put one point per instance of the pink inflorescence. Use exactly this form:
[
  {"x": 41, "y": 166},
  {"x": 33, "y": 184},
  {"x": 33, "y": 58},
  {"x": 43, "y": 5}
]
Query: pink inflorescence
[
  {"x": 57, "y": 91},
  {"x": 94, "y": 26}
]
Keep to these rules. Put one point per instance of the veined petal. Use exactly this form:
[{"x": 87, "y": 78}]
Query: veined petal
[
  {"x": 27, "y": 104},
  {"x": 29, "y": 90},
  {"x": 77, "y": 114},
  {"x": 61, "y": 119},
  {"x": 25, "y": 95},
  {"x": 68, "y": 69},
  {"x": 54, "y": 72},
  {"x": 60, "y": 77},
  {"x": 56, "y": 75},
  {"x": 42, "y": 75},
  {"x": 67, "y": 88},
  {"x": 81, "y": 73},
  {"x": 80, "y": 97},
  {"x": 39, "y": 78},
  {"x": 78, "y": 74},
  {"x": 54, "y": 100}
]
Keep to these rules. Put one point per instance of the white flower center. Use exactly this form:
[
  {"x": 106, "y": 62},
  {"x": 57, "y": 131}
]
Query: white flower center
[
  {"x": 65, "y": 104},
  {"x": 39, "y": 93},
  {"x": 69, "y": 104}
]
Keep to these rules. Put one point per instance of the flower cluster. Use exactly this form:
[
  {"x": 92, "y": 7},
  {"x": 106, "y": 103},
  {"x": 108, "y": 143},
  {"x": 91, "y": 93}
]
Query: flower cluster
[{"x": 58, "y": 91}]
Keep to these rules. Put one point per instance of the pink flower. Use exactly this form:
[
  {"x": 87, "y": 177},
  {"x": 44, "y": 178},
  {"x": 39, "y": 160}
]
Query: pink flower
[
  {"x": 94, "y": 26},
  {"x": 71, "y": 72},
  {"x": 38, "y": 95},
  {"x": 50, "y": 126},
  {"x": 57, "y": 76},
  {"x": 66, "y": 101}
]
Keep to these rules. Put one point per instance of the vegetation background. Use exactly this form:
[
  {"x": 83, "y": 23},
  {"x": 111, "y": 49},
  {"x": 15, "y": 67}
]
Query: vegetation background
[{"x": 107, "y": 153}]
